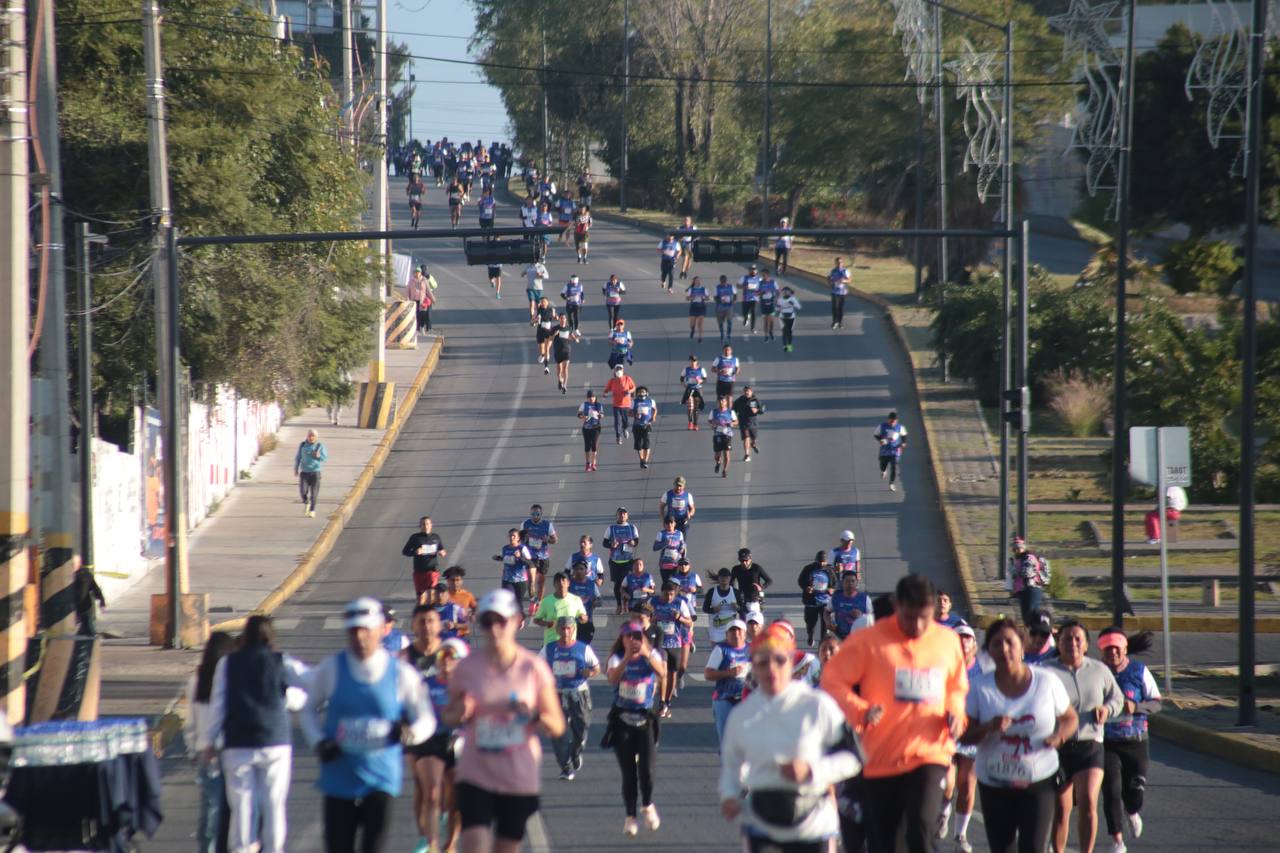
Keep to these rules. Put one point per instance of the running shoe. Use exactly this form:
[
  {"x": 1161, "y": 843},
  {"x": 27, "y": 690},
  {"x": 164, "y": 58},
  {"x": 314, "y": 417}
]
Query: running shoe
[
  {"x": 567, "y": 774},
  {"x": 893, "y": 487},
  {"x": 746, "y": 459},
  {"x": 717, "y": 467},
  {"x": 680, "y": 682},
  {"x": 626, "y": 433},
  {"x": 577, "y": 763},
  {"x": 695, "y": 427},
  {"x": 962, "y": 843},
  {"x": 499, "y": 296},
  {"x": 311, "y": 513},
  {"x": 1135, "y": 824},
  {"x": 833, "y": 325},
  {"x": 725, "y": 472},
  {"x": 305, "y": 511},
  {"x": 884, "y": 474},
  {"x": 944, "y": 820},
  {"x": 644, "y": 464},
  {"x": 546, "y": 370},
  {"x": 630, "y": 827},
  {"x": 651, "y": 819},
  {"x": 1119, "y": 847},
  {"x": 619, "y": 440}
]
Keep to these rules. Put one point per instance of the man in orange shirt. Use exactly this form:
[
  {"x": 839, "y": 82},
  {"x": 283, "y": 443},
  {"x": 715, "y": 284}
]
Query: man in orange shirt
[
  {"x": 901, "y": 684},
  {"x": 621, "y": 387}
]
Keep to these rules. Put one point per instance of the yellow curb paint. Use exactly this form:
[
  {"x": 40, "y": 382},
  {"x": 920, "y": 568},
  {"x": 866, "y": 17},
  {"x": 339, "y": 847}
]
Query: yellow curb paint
[{"x": 1235, "y": 748}]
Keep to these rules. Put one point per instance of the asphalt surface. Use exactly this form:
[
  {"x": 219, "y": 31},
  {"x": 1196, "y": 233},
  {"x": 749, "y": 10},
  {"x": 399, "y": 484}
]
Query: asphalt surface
[{"x": 492, "y": 434}]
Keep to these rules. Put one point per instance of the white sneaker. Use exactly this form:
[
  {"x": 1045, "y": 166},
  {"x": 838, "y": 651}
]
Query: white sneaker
[
  {"x": 1118, "y": 847},
  {"x": 884, "y": 473},
  {"x": 962, "y": 843},
  {"x": 893, "y": 487},
  {"x": 944, "y": 821},
  {"x": 630, "y": 827},
  {"x": 1135, "y": 825},
  {"x": 651, "y": 819}
]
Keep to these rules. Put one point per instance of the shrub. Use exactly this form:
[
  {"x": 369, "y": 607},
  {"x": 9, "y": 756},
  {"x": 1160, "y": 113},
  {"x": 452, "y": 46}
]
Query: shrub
[
  {"x": 1079, "y": 402},
  {"x": 1059, "y": 588},
  {"x": 1202, "y": 266}
]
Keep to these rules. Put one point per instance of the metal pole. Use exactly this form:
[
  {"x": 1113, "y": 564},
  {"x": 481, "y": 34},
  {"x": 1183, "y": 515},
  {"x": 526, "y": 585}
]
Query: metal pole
[
  {"x": 1164, "y": 560},
  {"x": 348, "y": 76},
  {"x": 15, "y": 377},
  {"x": 1025, "y": 421},
  {"x": 940, "y": 112},
  {"x": 1247, "y": 713},
  {"x": 85, "y": 322},
  {"x": 546, "y": 130},
  {"x": 378, "y": 369},
  {"x": 174, "y": 450},
  {"x": 768, "y": 110},
  {"x": 1006, "y": 358},
  {"x": 1119, "y": 476},
  {"x": 916, "y": 248},
  {"x": 626, "y": 102}
]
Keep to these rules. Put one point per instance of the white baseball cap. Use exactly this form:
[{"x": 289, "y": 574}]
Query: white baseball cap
[
  {"x": 846, "y": 536},
  {"x": 753, "y": 616},
  {"x": 364, "y": 612},
  {"x": 736, "y": 623},
  {"x": 500, "y": 601},
  {"x": 458, "y": 647}
]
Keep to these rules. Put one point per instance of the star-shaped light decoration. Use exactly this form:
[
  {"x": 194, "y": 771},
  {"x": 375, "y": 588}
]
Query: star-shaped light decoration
[
  {"x": 913, "y": 20},
  {"x": 1083, "y": 27},
  {"x": 975, "y": 75}
]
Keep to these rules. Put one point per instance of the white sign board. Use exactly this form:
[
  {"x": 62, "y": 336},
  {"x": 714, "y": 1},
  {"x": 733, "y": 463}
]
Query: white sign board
[{"x": 1177, "y": 455}]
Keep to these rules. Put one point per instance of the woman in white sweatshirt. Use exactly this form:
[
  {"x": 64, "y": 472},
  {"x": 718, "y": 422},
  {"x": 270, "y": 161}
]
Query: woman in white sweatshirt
[
  {"x": 788, "y": 307},
  {"x": 784, "y": 748}
]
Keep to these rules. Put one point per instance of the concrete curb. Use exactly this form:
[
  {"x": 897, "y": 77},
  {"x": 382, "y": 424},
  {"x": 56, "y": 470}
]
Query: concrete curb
[
  {"x": 1235, "y": 748},
  {"x": 311, "y": 559}
]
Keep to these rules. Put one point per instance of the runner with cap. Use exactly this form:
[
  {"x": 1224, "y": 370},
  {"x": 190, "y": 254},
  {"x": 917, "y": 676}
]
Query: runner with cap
[
  {"x": 638, "y": 584},
  {"x": 635, "y": 669},
  {"x": 620, "y": 344},
  {"x": 727, "y": 669},
  {"x": 723, "y": 604},
  {"x": 539, "y": 534},
  {"x": 572, "y": 662},
  {"x": 644, "y": 415},
  {"x": 516, "y": 559},
  {"x": 1125, "y": 742},
  {"x": 846, "y": 557},
  {"x": 749, "y": 286},
  {"x": 678, "y": 504},
  {"x": 962, "y": 781},
  {"x": 591, "y": 413},
  {"x": 768, "y": 296},
  {"x": 670, "y": 546},
  {"x": 751, "y": 580},
  {"x": 362, "y": 704},
  {"x": 586, "y": 554},
  {"x": 723, "y": 422},
  {"x": 816, "y": 582},
  {"x": 697, "y": 296},
  {"x": 613, "y": 291},
  {"x": 675, "y": 621},
  {"x": 621, "y": 538},
  {"x": 692, "y": 378},
  {"x": 1041, "y": 647},
  {"x": 668, "y": 250},
  {"x": 503, "y": 697},
  {"x": 432, "y": 761}
]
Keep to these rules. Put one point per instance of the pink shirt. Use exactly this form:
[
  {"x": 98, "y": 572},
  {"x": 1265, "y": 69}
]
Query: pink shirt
[{"x": 500, "y": 753}]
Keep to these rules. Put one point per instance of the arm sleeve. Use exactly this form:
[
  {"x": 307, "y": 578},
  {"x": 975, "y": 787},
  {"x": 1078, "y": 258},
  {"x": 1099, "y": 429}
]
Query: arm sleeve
[
  {"x": 416, "y": 702},
  {"x": 322, "y": 678},
  {"x": 706, "y": 601},
  {"x": 1150, "y": 705},
  {"x": 839, "y": 677},
  {"x": 217, "y": 703},
  {"x": 765, "y": 580}
]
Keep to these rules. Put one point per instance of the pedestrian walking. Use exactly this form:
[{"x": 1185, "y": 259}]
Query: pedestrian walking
[
  {"x": 1028, "y": 577},
  {"x": 620, "y": 389},
  {"x": 213, "y": 822},
  {"x": 572, "y": 662},
  {"x": 635, "y": 669},
  {"x": 307, "y": 464},
  {"x": 1175, "y": 505},
  {"x": 788, "y": 308}
]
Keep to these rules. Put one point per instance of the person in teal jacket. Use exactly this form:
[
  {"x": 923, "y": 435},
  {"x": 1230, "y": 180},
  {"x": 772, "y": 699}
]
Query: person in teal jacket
[{"x": 307, "y": 463}]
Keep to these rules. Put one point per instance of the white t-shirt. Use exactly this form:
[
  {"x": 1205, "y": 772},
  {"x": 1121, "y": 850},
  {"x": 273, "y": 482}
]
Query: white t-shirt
[{"x": 1018, "y": 757}]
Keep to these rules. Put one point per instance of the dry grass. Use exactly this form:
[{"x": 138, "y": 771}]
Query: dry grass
[{"x": 1080, "y": 403}]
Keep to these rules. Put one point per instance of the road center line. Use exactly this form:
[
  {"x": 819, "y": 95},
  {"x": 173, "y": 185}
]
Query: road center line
[
  {"x": 567, "y": 457},
  {"x": 742, "y": 520}
]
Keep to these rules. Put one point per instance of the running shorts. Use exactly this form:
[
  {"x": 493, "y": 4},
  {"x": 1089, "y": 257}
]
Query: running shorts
[
  {"x": 545, "y": 334},
  {"x": 481, "y": 807},
  {"x": 561, "y": 351},
  {"x": 721, "y": 443},
  {"x": 494, "y": 272},
  {"x": 486, "y": 223},
  {"x": 673, "y": 659},
  {"x": 691, "y": 391},
  {"x": 1075, "y": 756},
  {"x": 640, "y": 437},
  {"x": 590, "y": 439},
  {"x": 454, "y": 202},
  {"x": 724, "y": 389},
  {"x": 534, "y": 295},
  {"x": 748, "y": 429},
  {"x": 439, "y": 745},
  {"x": 767, "y": 308},
  {"x": 697, "y": 309}
]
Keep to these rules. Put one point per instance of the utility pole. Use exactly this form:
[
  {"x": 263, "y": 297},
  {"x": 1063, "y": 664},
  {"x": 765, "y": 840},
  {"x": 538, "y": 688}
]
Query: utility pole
[
  {"x": 546, "y": 131},
  {"x": 768, "y": 112},
  {"x": 940, "y": 113},
  {"x": 1006, "y": 357},
  {"x": 919, "y": 188},
  {"x": 15, "y": 375},
  {"x": 626, "y": 102},
  {"x": 84, "y": 240},
  {"x": 378, "y": 371},
  {"x": 348, "y": 77},
  {"x": 175, "y": 515}
]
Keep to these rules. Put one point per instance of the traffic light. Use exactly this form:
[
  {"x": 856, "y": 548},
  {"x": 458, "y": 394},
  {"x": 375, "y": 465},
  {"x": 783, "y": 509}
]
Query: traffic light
[
  {"x": 483, "y": 251},
  {"x": 1019, "y": 414},
  {"x": 713, "y": 251}
]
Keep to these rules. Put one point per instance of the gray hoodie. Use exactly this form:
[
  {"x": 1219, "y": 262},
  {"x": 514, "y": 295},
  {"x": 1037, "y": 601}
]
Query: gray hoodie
[{"x": 1090, "y": 686}]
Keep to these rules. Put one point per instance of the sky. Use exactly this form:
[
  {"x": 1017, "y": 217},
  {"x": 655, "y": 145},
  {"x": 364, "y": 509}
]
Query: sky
[{"x": 451, "y": 100}]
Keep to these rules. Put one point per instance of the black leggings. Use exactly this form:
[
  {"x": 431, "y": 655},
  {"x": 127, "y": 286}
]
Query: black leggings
[
  {"x": 837, "y": 308},
  {"x": 813, "y": 618},
  {"x": 667, "y": 278},
  {"x": 780, "y": 259},
  {"x": 891, "y": 464},
  {"x": 1125, "y": 781},
  {"x": 617, "y": 574},
  {"x": 571, "y": 310},
  {"x": 343, "y": 818},
  {"x": 913, "y": 799},
  {"x": 637, "y": 758},
  {"x": 520, "y": 589},
  {"x": 1018, "y": 819},
  {"x": 615, "y": 311},
  {"x": 788, "y": 325},
  {"x": 749, "y": 314}
]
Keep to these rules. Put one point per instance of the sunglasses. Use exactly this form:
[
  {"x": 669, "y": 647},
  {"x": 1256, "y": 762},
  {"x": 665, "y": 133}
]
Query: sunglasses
[
  {"x": 634, "y": 635},
  {"x": 776, "y": 660},
  {"x": 490, "y": 620}
]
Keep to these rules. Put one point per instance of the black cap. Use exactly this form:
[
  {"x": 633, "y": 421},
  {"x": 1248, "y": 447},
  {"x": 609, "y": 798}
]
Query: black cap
[
  {"x": 1041, "y": 622},
  {"x": 744, "y": 552},
  {"x": 622, "y": 509}
]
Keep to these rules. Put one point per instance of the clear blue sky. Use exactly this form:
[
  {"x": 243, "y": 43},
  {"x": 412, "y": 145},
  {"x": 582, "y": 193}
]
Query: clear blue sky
[{"x": 451, "y": 100}]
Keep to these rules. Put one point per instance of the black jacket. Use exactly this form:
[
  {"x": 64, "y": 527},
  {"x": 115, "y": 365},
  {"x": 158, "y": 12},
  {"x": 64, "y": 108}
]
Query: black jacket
[
  {"x": 745, "y": 580},
  {"x": 423, "y": 562}
]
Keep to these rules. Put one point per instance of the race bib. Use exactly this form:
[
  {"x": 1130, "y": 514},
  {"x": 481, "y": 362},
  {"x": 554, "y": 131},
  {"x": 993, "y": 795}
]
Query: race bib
[
  {"x": 633, "y": 691},
  {"x": 565, "y": 668},
  {"x": 535, "y": 541},
  {"x": 363, "y": 734},
  {"x": 820, "y": 585},
  {"x": 509, "y": 560},
  {"x": 428, "y": 550},
  {"x": 917, "y": 685},
  {"x": 670, "y": 555},
  {"x": 677, "y": 503},
  {"x": 1009, "y": 768},
  {"x": 546, "y": 324},
  {"x": 669, "y": 628},
  {"x": 494, "y": 735}
]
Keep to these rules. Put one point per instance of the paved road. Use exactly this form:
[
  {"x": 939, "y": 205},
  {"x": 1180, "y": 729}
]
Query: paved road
[{"x": 492, "y": 435}]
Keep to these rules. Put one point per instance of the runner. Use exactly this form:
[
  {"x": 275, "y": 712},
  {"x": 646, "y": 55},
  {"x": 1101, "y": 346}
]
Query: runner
[
  {"x": 539, "y": 534},
  {"x": 849, "y": 605},
  {"x": 535, "y": 278},
  {"x": 634, "y": 670},
  {"x": 565, "y": 208},
  {"x": 1125, "y": 744},
  {"x": 361, "y": 704},
  {"x": 503, "y": 696},
  {"x": 687, "y": 231},
  {"x": 1018, "y": 717},
  {"x": 574, "y": 295},
  {"x": 432, "y": 760},
  {"x": 723, "y": 604},
  {"x": 613, "y": 291},
  {"x": 749, "y": 285},
  {"x": 751, "y": 580},
  {"x": 723, "y": 421},
  {"x": 454, "y": 579},
  {"x": 1095, "y": 696},
  {"x": 838, "y": 278},
  {"x": 621, "y": 538},
  {"x": 788, "y": 308},
  {"x": 585, "y": 189},
  {"x": 1040, "y": 647},
  {"x": 726, "y": 293},
  {"x": 561, "y": 604},
  {"x": 690, "y": 589},
  {"x": 584, "y": 584},
  {"x": 591, "y": 413},
  {"x": 846, "y": 557},
  {"x": 544, "y": 221},
  {"x": 727, "y": 669},
  {"x": 415, "y": 190},
  {"x": 748, "y": 408},
  {"x": 816, "y": 581},
  {"x": 585, "y": 554},
  {"x": 696, "y": 296},
  {"x": 544, "y": 319},
  {"x": 669, "y": 250},
  {"x": 893, "y": 439},
  {"x": 464, "y": 175},
  {"x": 638, "y": 584},
  {"x": 944, "y": 616},
  {"x": 455, "y": 619},
  {"x": 620, "y": 344},
  {"x": 572, "y": 662},
  {"x": 495, "y": 279},
  {"x": 437, "y": 165},
  {"x": 782, "y": 246},
  {"x": 529, "y": 213},
  {"x": 644, "y": 412},
  {"x": 677, "y": 503},
  {"x": 564, "y": 335},
  {"x": 901, "y": 683},
  {"x": 782, "y": 750},
  {"x": 768, "y": 297},
  {"x": 670, "y": 546},
  {"x": 1028, "y": 577},
  {"x": 962, "y": 780},
  {"x": 582, "y": 232},
  {"x": 693, "y": 376},
  {"x": 516, "y": 558},
  {"x": 675, "y": 621},
  {"x": 621, "y": 388},
  {"x": 426, "y": 548},
  {"x": 726, "y": 368},
  {"x": 454, "y": 193}
]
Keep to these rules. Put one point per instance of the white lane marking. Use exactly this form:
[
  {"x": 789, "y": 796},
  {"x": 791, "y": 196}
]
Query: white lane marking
[
  {"x": 482, "y": 493},
  {"x": 590, "y": 364},
  {"x": 751, "y": 359},
  {"x": 742, "y": 521},
  {"x": 567, "y": 457},
  {"x": 561, "y": 485},
  {"x": 537, "y": 830},
  {"x": 285, "y": 624},
  {"x": 333, "y": 623},
  {"x": 555, "y": 507}
]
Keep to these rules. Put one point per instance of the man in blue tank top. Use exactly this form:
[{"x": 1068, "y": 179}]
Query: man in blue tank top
[{"x": 572, "y": 662}]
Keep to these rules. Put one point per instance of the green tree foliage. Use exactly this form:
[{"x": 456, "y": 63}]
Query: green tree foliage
[
  {"x": 252, "y": 148},
  {"x": 1201, "y": 266}
]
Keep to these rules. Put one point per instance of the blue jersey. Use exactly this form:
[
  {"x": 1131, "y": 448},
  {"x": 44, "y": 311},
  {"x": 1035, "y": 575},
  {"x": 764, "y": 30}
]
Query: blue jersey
[
  {"x": 638, "y": 587},
  {"x": 892, "y": 438},
  {"x": 537, "y": 536},
  {"x": 694, "y": 377},
  {"x": 636, "y": 689},
  {"x": 722, "y": 421},
  {"x": 455, "y": 613},
  {"x": 1138, "y": 686},
  {"x": 846, "y": 608},
  {"x": 678, "y": 505},
  {"x": 690, "y": 585},
  {"x": 726, "y": 367},
  {"x": 644, "y": 411},
  {"x": 839, "y": 279},
  {"x": 587, "y": 591},
  {"x": 620, "y": 342},
  {"x": 570, "y": 664},
  {"x": 613, "y": 291},
  {"x": 768, "y": 292},
  {"x": 488, "y": 207},
  {"x": 515, "y": 563},
  {"x": 572, "y": 293},
  {"x": 698, "y": 294},
  {"x": 566, "y": 209},
  {"x": 666, "y": 615},
  {"x": 750, "y": 287},
  {"x": 846, "y": 559},
  {"x": 725, "y": 294},
  {"x": 622, "y": 536},
  {"x": 669, "y": 249},
  {"x": 729, "y": 658},
  {"x": 592, "y": 414},
  {"x": 952, "y": 621},
  {"x": 544, "y": 218},
  {"x": 822, "y": 580},
  {"x": 670, "y": 545}
]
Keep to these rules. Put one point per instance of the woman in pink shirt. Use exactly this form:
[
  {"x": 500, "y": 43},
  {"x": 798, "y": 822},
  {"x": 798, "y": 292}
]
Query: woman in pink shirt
[{"x": 502, "y": 697}]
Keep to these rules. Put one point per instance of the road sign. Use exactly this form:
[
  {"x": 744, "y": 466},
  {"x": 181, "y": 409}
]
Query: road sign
[{"x": 1143, "y": 465}]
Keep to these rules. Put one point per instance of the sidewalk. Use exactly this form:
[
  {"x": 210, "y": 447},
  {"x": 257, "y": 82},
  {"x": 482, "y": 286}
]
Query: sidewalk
[{"x": 258, "y": 547}]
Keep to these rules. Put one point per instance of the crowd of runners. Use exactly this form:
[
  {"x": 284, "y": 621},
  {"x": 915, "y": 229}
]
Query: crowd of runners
[{"x": 880, "y": 723}]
